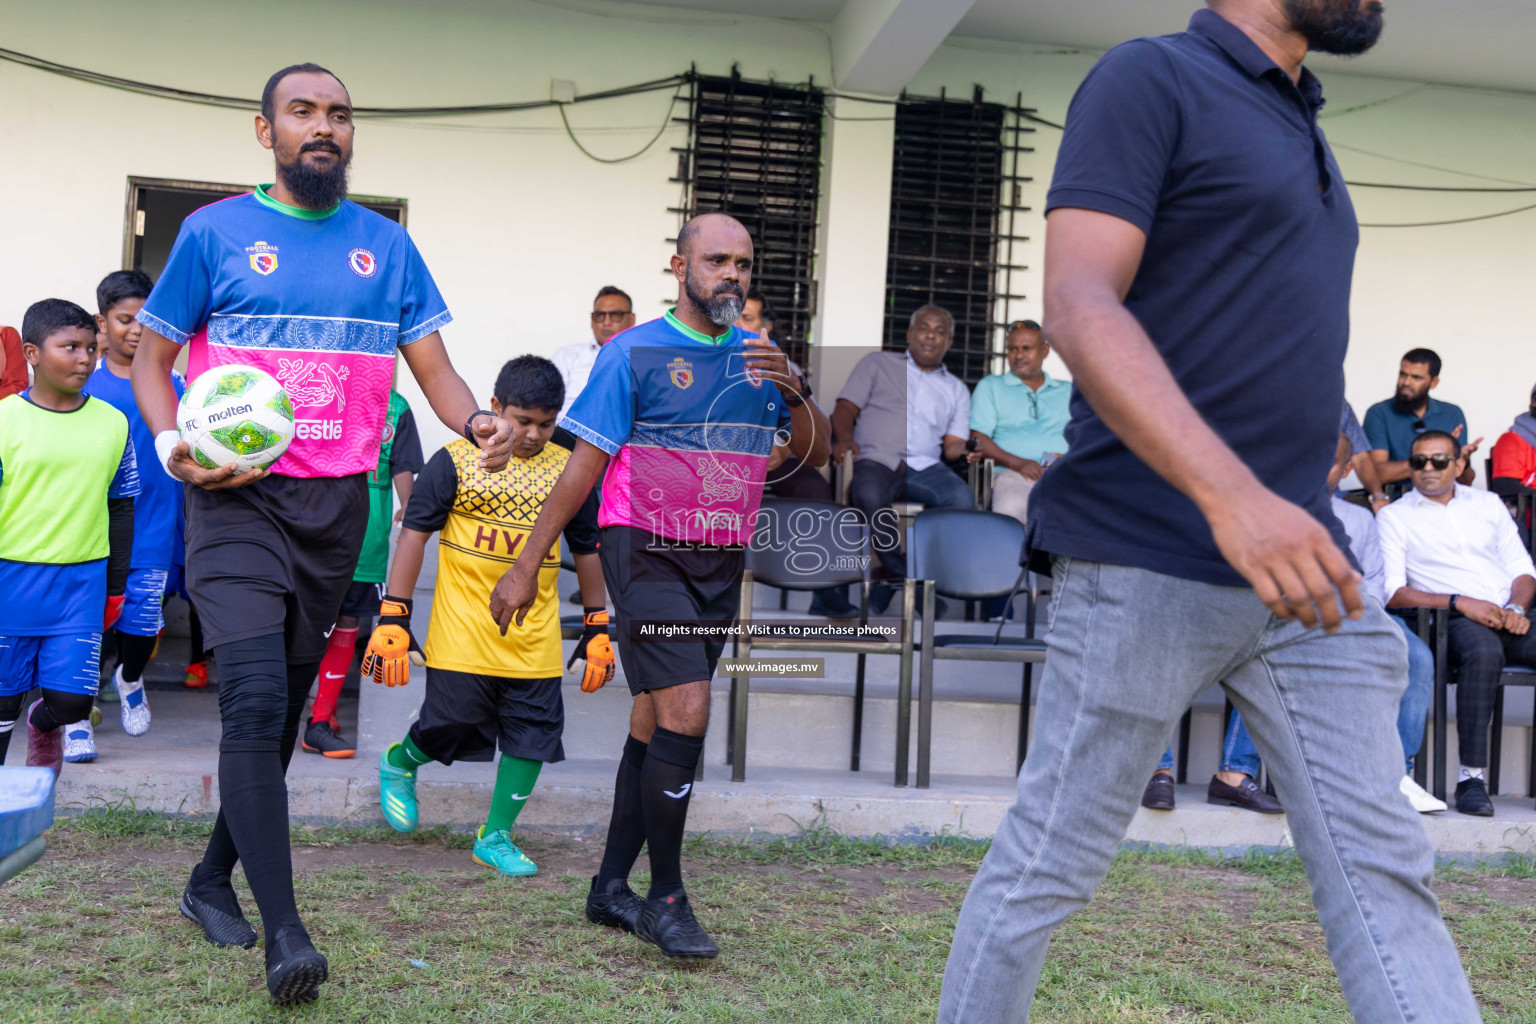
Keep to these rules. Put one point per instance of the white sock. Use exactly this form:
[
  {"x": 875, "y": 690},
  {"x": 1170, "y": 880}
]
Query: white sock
[{"x": 1469, "y": 773}]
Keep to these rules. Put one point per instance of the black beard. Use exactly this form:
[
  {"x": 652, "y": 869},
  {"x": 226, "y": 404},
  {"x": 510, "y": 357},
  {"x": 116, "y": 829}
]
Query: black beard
[
  {"x": 1406, "y": 407},
  {"x": 1340, "y": 27},
  {"x": 723, "y": 309},
  {"x": 312, "y": 189}
]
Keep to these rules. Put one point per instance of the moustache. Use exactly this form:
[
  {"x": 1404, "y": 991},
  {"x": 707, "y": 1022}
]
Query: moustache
[
  {"x": 734, "y": 289},
  {"x": 321, "y": 147}
]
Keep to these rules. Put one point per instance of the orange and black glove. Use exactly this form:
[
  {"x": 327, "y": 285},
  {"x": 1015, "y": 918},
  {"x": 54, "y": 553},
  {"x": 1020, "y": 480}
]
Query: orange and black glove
[
  {"x": 593, "y": 656},
  {"x": 392, "y": 650}
]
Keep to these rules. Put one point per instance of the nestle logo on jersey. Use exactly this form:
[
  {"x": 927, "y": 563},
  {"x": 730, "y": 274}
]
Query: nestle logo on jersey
[
  {"x": 232, "y": 411},
  {"x": 317, "y": 430}
]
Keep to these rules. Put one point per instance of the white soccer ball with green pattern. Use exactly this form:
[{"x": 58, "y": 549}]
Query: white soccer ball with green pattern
[{"x": 235, "y": 414}]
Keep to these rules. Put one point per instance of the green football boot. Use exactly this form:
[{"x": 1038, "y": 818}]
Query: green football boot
[
  {"x": 397, "y": 794},
  {"x": 498, "y": 851}
]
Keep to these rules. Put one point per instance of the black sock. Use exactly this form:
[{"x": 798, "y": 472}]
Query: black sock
[
  {"x": 133, "y": 654},
  {"x": 666, "y": 784},
  {"x": 254, "y": 796},
  {"x": 626, "y": 829},
  {"x": 10, "y": 714},
  {"x": 58, "y": 708}
]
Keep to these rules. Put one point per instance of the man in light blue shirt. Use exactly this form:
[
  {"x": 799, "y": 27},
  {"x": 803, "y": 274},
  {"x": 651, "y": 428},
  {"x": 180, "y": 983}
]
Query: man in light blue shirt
[{"x": 1017, "y": 419}]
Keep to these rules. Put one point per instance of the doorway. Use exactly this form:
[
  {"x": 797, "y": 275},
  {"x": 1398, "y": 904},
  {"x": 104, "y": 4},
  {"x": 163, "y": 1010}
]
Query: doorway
[{"x": 157, "y": 206}]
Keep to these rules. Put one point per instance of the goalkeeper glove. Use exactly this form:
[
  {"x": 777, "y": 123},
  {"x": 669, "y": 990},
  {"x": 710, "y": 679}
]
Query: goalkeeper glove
[
  {"x": 113, "y": 611},
  {"x": 392, "y": 650},
  {"x": 594, "y": 651}
]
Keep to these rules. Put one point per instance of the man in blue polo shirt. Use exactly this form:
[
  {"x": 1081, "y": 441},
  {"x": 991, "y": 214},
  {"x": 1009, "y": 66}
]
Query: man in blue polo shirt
[
  {"x": 1392, "y": 425},
  {"x": 1017, "y": 419},
  {"x": 1199, "y": 244}
]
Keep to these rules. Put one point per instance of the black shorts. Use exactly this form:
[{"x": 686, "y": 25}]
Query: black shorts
[
  {"x": 275, "y": 557},
  {"x": 362, "y": 600},
  {"x": 465, "y": 717},
  {"x": 651, "y": 580}
]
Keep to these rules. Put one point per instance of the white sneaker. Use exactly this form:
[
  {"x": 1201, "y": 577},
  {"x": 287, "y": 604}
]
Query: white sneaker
[
  {"x": 1418, "y": 798},
  {"x": 79, "y": 742},
  {"x": 134, "y": 705}
]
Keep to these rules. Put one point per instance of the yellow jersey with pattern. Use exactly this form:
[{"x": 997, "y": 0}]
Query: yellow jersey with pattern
[{"x": 483, "y": 535}]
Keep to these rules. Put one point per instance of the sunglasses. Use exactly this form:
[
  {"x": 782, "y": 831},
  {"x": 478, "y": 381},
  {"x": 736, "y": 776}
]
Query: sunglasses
[
  {"x": 1439, "y": 460},
  {"x": 615, "y": 316}
]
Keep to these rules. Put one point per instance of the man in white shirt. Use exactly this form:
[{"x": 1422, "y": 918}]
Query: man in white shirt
[
  {"x": 1445, "y": 545},
  {"x": 903, "y": 415},
  {"x": 612, "y": 312}
]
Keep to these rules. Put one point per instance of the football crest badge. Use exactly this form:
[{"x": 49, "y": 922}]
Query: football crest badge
[
  {"x": 681, "y": 372},
  {"x": 263, "y": 258},
  {"x": 362, "y": 262}
]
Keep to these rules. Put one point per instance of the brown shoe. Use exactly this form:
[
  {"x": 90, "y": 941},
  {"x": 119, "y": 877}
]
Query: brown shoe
[
  {"x": 1158, "y": 796},
  {"x": 1245, "y": 794}
]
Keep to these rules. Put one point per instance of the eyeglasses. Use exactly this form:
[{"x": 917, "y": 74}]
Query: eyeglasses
[
  {"x": 616, "y": 316},
  {"x": 1419, "y": 426},
  {"x": 1439, "y": 460}
]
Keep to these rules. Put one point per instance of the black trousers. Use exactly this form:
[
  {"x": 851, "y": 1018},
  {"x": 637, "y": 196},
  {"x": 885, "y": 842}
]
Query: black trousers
[{"x": 1477, "y": 657}]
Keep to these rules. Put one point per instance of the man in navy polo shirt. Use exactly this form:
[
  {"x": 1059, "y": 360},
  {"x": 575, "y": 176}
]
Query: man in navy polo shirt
[
  {"x": 1392, "y": 425},
  {"x": 1200, "y": 242}
]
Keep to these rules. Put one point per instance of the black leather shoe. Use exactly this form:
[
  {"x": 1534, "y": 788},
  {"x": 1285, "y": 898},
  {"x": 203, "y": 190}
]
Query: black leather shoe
[
  {"x": 616, "y": 906},
  {"x": 832, "y": 603},
  {"x": 218, "y": 927},
  {"x": 1158, "y": 796},
  {"x": 295, "y": 967},
  {"x": 667, "y": 922},
  {"x": 1245, "y": 794},
  {"x": 1472, "y": 798}
]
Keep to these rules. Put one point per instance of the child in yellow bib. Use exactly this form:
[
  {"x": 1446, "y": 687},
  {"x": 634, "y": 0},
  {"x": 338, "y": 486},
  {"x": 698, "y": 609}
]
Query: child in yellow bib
[{"x": 484, "y": 688}]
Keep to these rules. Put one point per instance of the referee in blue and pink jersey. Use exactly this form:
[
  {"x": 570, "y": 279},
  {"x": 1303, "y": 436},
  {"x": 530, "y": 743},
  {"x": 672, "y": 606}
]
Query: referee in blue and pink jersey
[
  {"x": 679, "y": 417},
  {"x": 321, "y": 293}
]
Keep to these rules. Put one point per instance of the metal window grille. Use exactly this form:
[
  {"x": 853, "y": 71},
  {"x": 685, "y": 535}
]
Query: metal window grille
[
  {"x": 955, "y": 193},
  {"x": 754, "y": 152}
]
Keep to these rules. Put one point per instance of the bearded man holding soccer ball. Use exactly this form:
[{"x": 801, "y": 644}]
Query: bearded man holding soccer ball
[{"x": 320, "y": 293}]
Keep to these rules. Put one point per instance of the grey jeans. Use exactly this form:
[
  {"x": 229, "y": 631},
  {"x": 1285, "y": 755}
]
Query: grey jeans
[{"x": 1129, "y": 650}]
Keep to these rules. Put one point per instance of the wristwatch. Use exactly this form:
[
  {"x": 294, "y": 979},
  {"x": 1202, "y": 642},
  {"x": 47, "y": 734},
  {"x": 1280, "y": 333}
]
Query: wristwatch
[
  {"x": 469, "y": 432},
  {"x": 1378, "y": 496},
  {"x": 1451, "y": 604},
  {"x": 1518, "y": 609}
]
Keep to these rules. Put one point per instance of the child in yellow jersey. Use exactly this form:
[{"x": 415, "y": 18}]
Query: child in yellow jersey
[{"x": 486, "y": 689}]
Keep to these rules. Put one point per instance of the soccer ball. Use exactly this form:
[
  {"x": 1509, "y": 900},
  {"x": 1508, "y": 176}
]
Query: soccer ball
[{"x": 235, "y": 414}]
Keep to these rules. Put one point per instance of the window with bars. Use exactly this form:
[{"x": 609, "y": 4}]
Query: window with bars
[
  {"x": 954, "y": 194},
  {"x": 754, "y": 152}
]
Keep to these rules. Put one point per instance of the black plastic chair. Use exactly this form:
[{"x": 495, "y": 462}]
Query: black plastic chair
[
  {"x": 830, "y": 547},
  {"x": 1514, "y": 675},
  {"x": 971, "y": 556}
]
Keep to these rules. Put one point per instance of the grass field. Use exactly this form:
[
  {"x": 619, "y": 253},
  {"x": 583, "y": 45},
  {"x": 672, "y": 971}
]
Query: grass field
[{"x": 816, "y": 930}]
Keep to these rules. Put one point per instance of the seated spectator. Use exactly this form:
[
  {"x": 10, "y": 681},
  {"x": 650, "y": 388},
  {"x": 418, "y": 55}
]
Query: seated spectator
[
  {"x": 612, "y": 312},
  {"x": 1232, "y": 786},
  {"x": 1362, "y": 462},
  {"x": 1392, "y": 425},
  {"x": 1514, "y": 455},
  {"x": 788, "y": 477},
  {"x": 903, "y": 415},
  {"x": 1365, "y": 545},
  {"x": 1445, "y": 545},
  {"x": 1017, "y": 419}
]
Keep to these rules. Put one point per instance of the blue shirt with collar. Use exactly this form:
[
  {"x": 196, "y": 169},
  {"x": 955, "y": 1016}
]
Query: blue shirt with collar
[
  {"x": 1210, "y": 149},
  {"x": 1393, "y": 432},
  {"x": 1021, "y": 420}
]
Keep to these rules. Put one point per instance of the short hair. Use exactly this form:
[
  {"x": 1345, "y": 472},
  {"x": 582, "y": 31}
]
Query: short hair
[
  {"x": 1424, "y": 355},
  {"x": 291, "y": 69},
  {"x": 767, "y": 311},
  {"x": 50, "y": 316},
  {"x": 691, "y": 228},
  {"x": 1437, "y": 435},
  {"x": 530, "y": 382},
  {"x": 609, "y": 289},
  {"x": 120, "y": 285},
  {"x": 949, "y": 318}
]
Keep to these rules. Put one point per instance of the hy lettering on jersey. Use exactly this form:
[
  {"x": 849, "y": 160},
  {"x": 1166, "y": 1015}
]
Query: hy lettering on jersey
[{"x": 263, "y": 258}]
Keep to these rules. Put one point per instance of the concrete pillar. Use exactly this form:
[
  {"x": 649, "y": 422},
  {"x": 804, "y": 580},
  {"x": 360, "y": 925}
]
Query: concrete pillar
[{"x": 855, "y": 235}]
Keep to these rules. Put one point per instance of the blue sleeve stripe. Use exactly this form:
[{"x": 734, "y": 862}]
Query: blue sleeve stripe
[
  {"x": 420, "y": 331},
  {"x": 590, "y": 436},
  {"x": 159, "y": 326}
]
